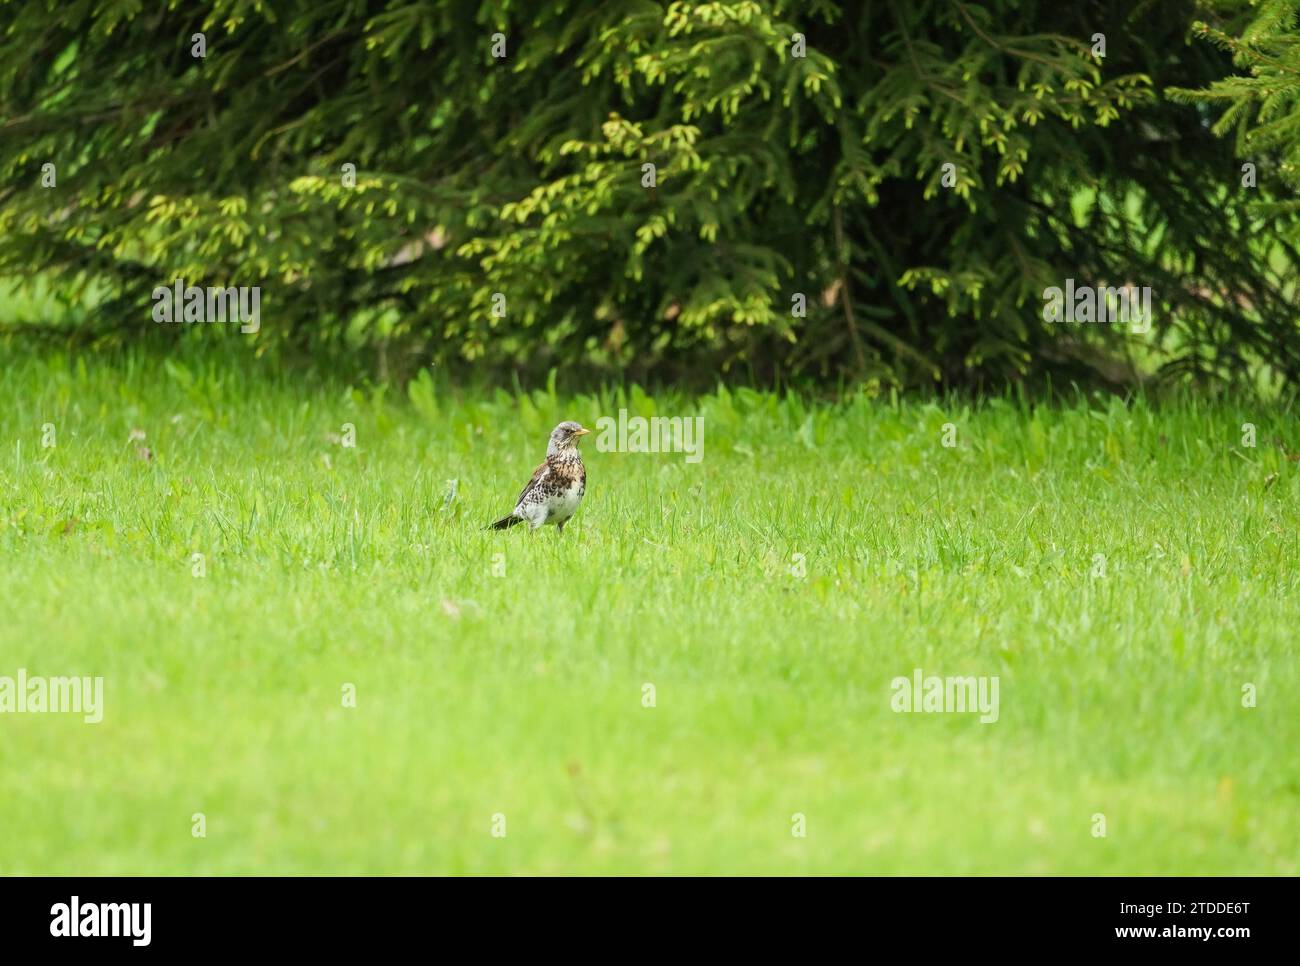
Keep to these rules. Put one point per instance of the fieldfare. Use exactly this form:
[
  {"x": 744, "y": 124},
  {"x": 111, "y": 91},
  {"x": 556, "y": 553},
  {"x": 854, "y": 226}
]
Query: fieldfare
[{"x": 557, "y": 486}]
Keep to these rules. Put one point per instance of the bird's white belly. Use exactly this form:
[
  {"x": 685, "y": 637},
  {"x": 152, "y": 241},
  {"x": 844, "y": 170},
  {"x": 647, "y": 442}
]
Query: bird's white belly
[
  {"x": 562, "y": 505},
  {"x": 553, "y": 507}
]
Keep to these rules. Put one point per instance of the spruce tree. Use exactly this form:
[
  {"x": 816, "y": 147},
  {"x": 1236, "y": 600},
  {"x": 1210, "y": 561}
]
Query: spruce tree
[{"x": 654, "y": 190}]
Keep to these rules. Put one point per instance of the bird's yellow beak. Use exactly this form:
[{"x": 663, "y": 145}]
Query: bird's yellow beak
[{"x": 582, "y": 432}]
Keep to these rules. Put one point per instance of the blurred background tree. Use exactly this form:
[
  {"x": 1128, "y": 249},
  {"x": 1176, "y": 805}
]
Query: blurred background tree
[{"x": 802, "y": 224}]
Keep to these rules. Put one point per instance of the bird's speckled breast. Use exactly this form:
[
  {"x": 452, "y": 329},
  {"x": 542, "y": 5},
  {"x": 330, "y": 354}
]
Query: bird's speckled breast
[{"x": 566, "y": 484}]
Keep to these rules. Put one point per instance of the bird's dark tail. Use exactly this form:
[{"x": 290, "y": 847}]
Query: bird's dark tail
[{"x": 506, "y": 522}]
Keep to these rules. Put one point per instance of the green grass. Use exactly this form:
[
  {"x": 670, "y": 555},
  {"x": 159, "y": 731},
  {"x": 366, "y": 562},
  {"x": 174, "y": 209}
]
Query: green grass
[{"x": 521, "y": 694}]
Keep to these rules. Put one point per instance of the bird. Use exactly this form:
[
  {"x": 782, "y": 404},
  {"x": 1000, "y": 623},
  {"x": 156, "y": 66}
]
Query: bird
[{"x": 557, "y": 486}]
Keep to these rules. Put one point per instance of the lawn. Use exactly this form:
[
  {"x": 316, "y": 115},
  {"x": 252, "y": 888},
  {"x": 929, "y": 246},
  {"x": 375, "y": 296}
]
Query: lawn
[{"x": 1126, "y": 571}]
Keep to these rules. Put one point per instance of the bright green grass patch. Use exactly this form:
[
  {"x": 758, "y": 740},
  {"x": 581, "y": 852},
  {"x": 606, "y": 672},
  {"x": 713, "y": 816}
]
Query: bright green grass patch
[{"x": 521, "y": 694}]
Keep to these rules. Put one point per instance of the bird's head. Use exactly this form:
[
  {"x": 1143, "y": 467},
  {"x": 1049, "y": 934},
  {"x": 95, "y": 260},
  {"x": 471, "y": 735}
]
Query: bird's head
[{"x": 565, "y": 437}]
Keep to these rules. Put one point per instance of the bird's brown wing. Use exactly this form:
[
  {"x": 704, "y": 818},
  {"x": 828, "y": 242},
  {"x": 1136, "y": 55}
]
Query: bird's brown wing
[{"x": 537, "y": 475}]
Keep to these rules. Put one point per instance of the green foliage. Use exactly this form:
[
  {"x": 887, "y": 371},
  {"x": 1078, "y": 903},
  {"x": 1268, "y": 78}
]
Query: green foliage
[
  {"x": 521, "y": 177},
  {"x": 1261, "y": 109}
]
